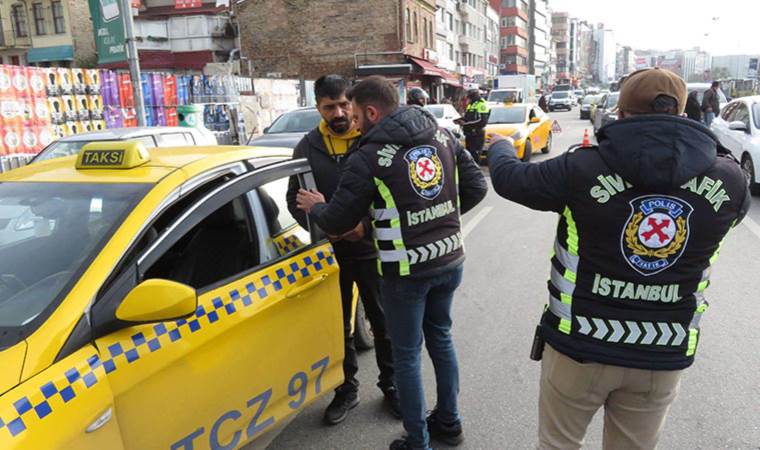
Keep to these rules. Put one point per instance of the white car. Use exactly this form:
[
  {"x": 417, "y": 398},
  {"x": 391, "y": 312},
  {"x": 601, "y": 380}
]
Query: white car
[
  {"x": 445, "y": 115},
  {"x": 149, "y": 136},
  {"x": 738, "y": 129}
]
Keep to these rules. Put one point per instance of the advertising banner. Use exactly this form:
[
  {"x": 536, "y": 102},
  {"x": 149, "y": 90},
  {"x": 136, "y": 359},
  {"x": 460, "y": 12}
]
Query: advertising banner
[{"x": 108, "y": 24}]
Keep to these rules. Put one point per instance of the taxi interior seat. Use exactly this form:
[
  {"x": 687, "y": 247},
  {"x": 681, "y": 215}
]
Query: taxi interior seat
[{"x": 218, "y": 247}]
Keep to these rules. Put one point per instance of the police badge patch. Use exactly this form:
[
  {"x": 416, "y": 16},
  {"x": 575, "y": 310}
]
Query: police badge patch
[
  {"x": 656, "y": 233},
  {"x": 425, "y": 171}
]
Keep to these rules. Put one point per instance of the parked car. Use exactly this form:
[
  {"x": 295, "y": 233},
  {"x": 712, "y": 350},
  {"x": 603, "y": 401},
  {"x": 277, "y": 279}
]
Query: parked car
[
  {"x": 148, "y": 136},
  {"x": 586, "y": 104},
  {"x": 579, "y": 94},
  {"x": 738, "y": 129},
  {"x": 445, "y": 115},
  {"x": 288, "y": 129},
  {"x": 606, "y": 110},
  {"x": 526, "y": 124},
  {"x": 561, "y": 100}
]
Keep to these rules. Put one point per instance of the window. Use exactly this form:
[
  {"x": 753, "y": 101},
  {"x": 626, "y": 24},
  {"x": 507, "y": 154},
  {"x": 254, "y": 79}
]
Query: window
[
  {"x": 408, "y": 25},
  {"x": 2, "y": 36},
  {"x": 431, "y": 33},
  {"x": 39, "y": 19},
  {"x": 741, "y": 114},
  {"x": 58, "y": 20},
  {"x": 727, "y": 112},
  {"x": 450, "y": 20},
  {"x": 416, "y": 28},
  {"x": 18, "y": 16},
  {"x": 175, "y": 139},
  {"x": 424, "y": 32},
  {"x": 283, "y": 234},
  {"x": 756, "y": 114}
]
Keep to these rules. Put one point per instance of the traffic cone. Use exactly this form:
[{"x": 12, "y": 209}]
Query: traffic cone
[{"x": 586, "y": 140}]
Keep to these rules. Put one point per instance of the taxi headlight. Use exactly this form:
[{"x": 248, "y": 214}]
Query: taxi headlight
[{"x": 517, "y": 135}]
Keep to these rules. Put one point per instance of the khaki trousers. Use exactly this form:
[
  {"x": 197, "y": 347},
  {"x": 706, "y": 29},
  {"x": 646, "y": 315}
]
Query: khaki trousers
[{"x": 635, "y": 402}]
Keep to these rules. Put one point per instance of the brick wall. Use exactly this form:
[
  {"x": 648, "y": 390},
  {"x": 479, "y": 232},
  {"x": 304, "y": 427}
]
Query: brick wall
[
  {"x": 314, "y": 37},
  {"x": 80, "y": 25}
]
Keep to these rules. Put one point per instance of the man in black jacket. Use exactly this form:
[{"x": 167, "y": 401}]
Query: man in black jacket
[
  {"x": 414, "y": 179},
  {"x": 326, "y": 147},
  {"x": 642, "y": 217}
]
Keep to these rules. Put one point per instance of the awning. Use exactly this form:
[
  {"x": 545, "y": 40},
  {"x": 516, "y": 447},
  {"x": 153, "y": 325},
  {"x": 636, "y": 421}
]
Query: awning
[
  {"x": 383, "y": 69},
  {"x": 46, "y": 54},
  {"x": 428, "y": 68},
  {"x": 451, "y": 80},
  {"x": 162, "y": 59}
]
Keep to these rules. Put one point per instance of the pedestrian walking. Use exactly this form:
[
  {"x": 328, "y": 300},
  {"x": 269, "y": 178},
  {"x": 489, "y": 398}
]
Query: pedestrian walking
[
  {"x": 326, "y": 148},
  {"x": 711, "y": 103},
  {"x": 474, "y": 123},
  {"x": 642, "y": 217},
  {"x": 693, "y": 109},
  {"x": 542, "y": 103},
  {"x": 417, "y": 96},
  {"x": 414, "y": 179}
]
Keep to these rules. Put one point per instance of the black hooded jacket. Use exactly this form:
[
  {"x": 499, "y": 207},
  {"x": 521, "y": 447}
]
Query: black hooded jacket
[
  {"x": 326, "y": 170},
  {"x": 642, "y": 219},
  {"x": 404, "y": 172}
]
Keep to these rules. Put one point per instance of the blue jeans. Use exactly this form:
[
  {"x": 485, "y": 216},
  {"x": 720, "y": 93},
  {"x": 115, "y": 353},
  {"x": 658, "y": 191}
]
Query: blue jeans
[
  {"x": 709, "y": 117},
  {"x": 415, "y": 307}
]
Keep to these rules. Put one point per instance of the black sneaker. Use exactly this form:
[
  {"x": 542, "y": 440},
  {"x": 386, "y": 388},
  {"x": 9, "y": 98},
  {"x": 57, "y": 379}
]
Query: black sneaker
[
  {"x": 392, "y": 400},
  {"x": 449, "y": 434},
  {"x": 400, "y": 444},
  {"x": 338, "y": 409}
]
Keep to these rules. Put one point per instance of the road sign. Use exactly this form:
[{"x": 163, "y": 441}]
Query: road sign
[{"x": 556, "y": 128}]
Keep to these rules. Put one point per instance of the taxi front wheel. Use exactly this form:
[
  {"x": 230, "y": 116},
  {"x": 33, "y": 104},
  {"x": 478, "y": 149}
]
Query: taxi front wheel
[{"x": 363, "y": 337}]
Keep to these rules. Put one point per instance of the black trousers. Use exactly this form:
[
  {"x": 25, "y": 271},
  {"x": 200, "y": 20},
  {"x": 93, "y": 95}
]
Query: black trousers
[
  {"x": 364, "y": 274},
  {"x": 474, "y": 141}
]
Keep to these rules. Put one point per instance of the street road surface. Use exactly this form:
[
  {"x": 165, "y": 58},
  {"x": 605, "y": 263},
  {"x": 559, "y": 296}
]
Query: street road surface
[{"x": 496, "y": 311}]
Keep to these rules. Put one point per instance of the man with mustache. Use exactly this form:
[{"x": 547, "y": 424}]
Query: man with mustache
[{"x": 326, "y": 147}]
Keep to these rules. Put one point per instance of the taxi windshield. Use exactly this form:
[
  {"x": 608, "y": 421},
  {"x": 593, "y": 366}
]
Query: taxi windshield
[
  {"x": 507, "y": 115},
  {"x": 49, "y": 233}
]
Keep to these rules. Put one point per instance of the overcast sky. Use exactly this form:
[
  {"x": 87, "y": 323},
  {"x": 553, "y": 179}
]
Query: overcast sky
[{"x": 671, "y": 24}]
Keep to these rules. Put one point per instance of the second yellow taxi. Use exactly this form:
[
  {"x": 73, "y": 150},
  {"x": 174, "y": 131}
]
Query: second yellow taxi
[{"x": 526, "y": 124}]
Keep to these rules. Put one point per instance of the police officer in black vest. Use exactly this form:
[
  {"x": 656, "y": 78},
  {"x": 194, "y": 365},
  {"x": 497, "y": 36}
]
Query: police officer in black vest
[
  {"x": 414, "y": 179},
  {"x": 642, "y": 217}
]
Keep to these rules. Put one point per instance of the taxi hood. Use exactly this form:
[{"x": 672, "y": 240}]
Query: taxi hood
[
  {"x": 657, "y": 152},
  {"x": 12, "y": 362}
]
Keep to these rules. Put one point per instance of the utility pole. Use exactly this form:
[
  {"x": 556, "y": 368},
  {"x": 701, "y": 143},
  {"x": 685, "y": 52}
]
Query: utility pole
[{"x": 134, "y": 61}]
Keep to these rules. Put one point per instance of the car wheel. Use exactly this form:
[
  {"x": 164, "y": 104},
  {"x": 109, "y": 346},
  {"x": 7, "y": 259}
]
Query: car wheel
[
  {"x": 548, "y": 147},
  {"x": 363, "y": 337},
  {"x": 749, "y": 172},
  {"x": 527, "y": 151}
]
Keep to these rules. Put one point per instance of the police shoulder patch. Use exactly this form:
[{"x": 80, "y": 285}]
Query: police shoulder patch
[
  {"x": 425, "y": 171},
  {"x": 656, "y": 233}
]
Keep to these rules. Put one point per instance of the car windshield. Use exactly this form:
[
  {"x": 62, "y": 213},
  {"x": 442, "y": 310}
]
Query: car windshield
[
  {"x": 612, "y": 100},
  {"x": 296, "y": 122},
  {"x": 579, "y": 93},
  {"x": 756, "y": 114},
  {"x": 502, "y": 96},
  {"x": 507, "y": 115},
  {"x": 49, "y": 233},
  {"x": 564, "y": 94},
  {"x": 437, "y": 111}
]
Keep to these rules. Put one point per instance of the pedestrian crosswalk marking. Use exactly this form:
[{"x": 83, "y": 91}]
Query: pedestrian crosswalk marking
[{"x": 631, "y": 332}]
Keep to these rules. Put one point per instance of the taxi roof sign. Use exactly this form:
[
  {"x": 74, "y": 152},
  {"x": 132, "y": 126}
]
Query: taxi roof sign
[{"x": 112, "y": 155}]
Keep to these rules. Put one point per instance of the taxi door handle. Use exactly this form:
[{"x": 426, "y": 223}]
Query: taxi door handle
[
  {"x": 301, "y": 288},
  {"x": 100, "y": 421}
]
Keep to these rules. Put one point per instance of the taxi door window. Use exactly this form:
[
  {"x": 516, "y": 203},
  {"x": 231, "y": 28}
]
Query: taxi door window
[
  {"x": 281, "y": 234},
  {"x": 174, "y": 139},
  {"x": 221, "y": 246},
  {"x": 147, "y": 141}
]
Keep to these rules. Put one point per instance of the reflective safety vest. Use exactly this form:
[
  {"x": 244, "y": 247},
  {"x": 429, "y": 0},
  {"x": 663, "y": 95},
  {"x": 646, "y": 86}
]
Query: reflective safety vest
[
  {"x": 629, "y": 268},
  {"x": 476, "y": 112},
  {"x": 416, "y": 222}
]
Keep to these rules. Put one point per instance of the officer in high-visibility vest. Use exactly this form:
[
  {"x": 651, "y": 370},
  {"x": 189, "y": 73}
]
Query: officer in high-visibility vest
[
  {"x": 474, "y": 123},
  {"x": 642, "y": 219}
]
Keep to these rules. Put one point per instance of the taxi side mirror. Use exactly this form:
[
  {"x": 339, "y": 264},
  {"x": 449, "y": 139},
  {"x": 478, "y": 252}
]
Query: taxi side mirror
[
  {"x": 535, "y": 120},
  {"x": 157, "y": 300}
]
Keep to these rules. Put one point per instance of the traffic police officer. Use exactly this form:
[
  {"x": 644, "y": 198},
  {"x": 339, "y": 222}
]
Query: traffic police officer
[
  {"x": 474, "y": 123},
  {"x": 415, "y": 180},
  {"x": 642, "y": 217}
]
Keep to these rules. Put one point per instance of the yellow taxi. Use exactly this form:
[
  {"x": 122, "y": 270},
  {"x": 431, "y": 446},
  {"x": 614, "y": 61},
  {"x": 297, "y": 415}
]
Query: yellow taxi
[
  {"x": 160, "y": 299},
  {"x": 526, "y": 124}
]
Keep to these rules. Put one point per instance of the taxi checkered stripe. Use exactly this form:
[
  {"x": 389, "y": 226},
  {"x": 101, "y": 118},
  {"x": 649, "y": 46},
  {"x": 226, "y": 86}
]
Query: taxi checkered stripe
[
  {"x": 287, "y": 244},
  {"x": 54, "y": 394}
]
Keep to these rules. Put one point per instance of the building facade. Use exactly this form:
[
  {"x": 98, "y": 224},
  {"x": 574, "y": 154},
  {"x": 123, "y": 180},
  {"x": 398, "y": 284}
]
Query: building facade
[
  {"x": 42, "y": 33},
  {"x": 310, "y": 38},
  {"x": 539, "y": 58},
  {"x": 626, "y": 61},
  {"x": 605, "y": 57},
  {"x": 581, "y": 51},
  {"x": 561, "y": 41},
  {"x": 696, "y": 65},
  {"x": 736, "y": 66}
]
